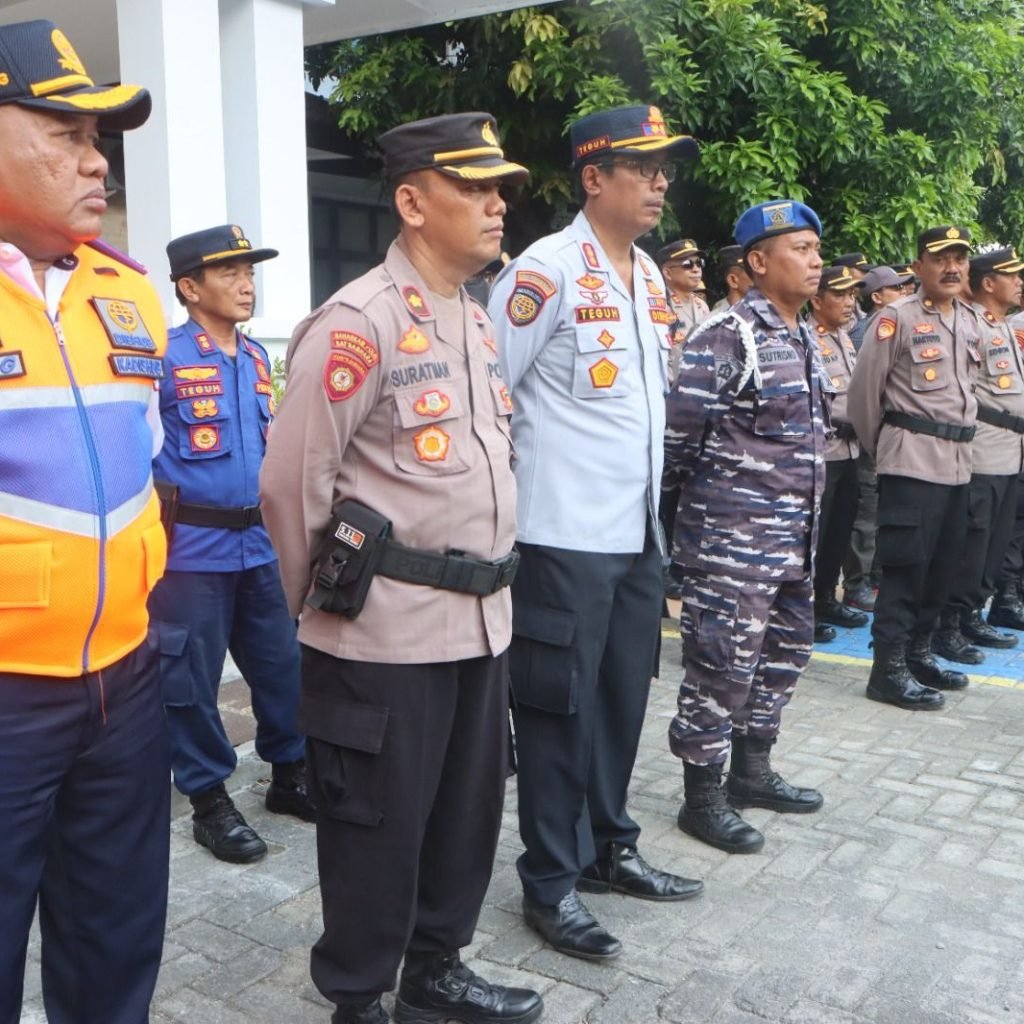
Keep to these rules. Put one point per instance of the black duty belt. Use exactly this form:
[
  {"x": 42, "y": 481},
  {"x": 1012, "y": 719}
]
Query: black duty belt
[
  {"x": 844, "y": 431},
  {"x": 999, "y": 418},
  {"x": 451, "y": 571},
  {"x": 222, "y": 518},
  {"x": 919, "y": 425}
]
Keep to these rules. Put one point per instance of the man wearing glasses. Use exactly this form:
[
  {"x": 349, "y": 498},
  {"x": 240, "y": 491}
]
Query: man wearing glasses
[
  {"x": 582, "y": 321},
  {"x": 682, "y": 266}
]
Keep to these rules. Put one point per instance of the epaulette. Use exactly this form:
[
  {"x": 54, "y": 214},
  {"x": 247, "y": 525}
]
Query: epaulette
[{"x": 115, "y": 254}]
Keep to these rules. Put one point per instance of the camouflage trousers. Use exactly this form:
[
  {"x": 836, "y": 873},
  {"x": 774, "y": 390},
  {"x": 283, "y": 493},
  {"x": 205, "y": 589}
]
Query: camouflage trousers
[{"x": 745, "y": 643}]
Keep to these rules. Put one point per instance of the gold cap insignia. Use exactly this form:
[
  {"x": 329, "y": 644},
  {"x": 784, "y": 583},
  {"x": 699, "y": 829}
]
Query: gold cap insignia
[
  {"x": 69, "y": 59},
  {"x": 487, "y": 134},
  {"x": 953, "y": 233}
]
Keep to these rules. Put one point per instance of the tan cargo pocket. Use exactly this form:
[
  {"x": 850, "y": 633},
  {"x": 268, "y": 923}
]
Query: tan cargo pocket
[{"x": 25, "y": 577}]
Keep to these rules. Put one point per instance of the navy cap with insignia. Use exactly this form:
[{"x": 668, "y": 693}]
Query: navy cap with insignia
[
  {"x": 776, "y": 217},
  {"x": 838, "y": 279},
  {"x": 1003, "y": 260},
  {"x": 681, "y": 249},
  {"x": 945, "y": 237},
  {"x": 210, "y": 246},
  {"x": 855, "y": 260},
  {"x": 730, "y": 256},
  {"x": 40, "y": 69},
  {"x": 463, "y": 146},
  {"x": 626, "y": 131}
]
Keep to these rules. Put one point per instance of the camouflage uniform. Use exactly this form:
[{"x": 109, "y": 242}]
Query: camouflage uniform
[{"x": 746, "y": 438}]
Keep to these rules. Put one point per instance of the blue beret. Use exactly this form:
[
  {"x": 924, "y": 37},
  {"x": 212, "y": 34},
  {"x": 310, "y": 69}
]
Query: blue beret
[
  {"x": 776, "y": 217},
  {"x": 628, "y": 131}
]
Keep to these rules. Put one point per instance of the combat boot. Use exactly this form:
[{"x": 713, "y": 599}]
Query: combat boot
[
  {"x": 753, "y": 783},
  {"x": 979, "y": 632},
  {"x": 949, "y": 643},
  {"x": 287, "y": 793},
  {"x": 218, "y": 825},
  {"x": 890, "y": 682},
  {"x": 828, "y": 609},
  {"x": 927, "y": 671},
  {"x": 1007, "y": 609},
  {"x": 361, "y": 1013},
  {"x": 707, "y": 816}
]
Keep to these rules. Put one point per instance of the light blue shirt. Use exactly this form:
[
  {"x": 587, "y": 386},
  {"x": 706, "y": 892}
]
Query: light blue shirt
[{"x": 586, "y": 365}]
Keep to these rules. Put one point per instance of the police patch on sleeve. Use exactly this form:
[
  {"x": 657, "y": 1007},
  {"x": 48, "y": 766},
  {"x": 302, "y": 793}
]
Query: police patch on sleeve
[
  {"x": 528, "y": 296},
  {"x": 886, "y": 328},
  {"x": 343, "y": 375}
]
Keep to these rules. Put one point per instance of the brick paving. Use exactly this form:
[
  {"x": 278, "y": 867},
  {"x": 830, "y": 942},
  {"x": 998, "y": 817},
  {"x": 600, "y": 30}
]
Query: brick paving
[{"x": 899, "y": 903}]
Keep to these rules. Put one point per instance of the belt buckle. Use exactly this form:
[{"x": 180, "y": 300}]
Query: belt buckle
[
  {"x": 506, "y": 567},
  {"x": 250, "y": 516}
]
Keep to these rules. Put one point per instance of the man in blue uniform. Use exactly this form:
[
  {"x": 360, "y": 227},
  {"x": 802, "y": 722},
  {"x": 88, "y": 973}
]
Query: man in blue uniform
[
  {"x": 746, "y": 437},
  {"x": 222, "y": 590},
  {"x": 582, "y": 321}
]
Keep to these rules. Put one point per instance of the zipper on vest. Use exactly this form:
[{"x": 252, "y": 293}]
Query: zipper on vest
[{"x": 94, "y": 464}]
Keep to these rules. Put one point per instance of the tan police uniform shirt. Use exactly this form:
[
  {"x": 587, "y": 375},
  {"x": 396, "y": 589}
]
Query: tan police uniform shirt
[
  {"x": 838, "y": 357},
  {"x": 689, "y": 312},
  {"x": 917, "y": 362},
  {"x": 995, "y": 450},
  {"x": 395, "y": 398}
]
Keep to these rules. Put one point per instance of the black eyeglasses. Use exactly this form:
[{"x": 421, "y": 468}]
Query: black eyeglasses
[{"x": 647, "y": 169}]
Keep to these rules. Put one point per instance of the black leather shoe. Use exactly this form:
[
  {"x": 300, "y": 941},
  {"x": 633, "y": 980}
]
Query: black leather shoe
[
  {"x": 862, "y": 597},
  {"x": 831, "y": 611},
  {"x": 707, "y": 816},
  {"x": 979, "y": 632},
  {"x": 627, "y": 872},
  {"x": 219, "y": 826},
  {"x": 823, "y": 633},
  {"x": 368, "y": 1013},
  {"x": 927, "y": 671},
  {"x": 434, "y": 989},
  {"x": 1007, "y": 611},
  {"x": 571, "y": 929},
  {"x": 890, "y": 682},
  {"x": 287, "y": 793},
  {"x": 753, "y": 783}
]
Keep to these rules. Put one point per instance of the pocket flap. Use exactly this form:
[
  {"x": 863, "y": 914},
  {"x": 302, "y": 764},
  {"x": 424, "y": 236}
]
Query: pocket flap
[
  {"x": 343, "y": 723},
  {"x": 171, "y": 638},
  {"x": 548, "y": 625},
  {"x": 428, "y": 404},
  {"x": 899, "y": 515}
]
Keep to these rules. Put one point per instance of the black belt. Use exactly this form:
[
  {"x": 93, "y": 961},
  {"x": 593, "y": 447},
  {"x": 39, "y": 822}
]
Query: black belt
[
  {"x": 213, "y": 515},
  {"x": 453, "y": 571},
  {"x": 844, "y": 431},
  {"x": 919, "y": 425},
  {"x": 999, "y": 418}
]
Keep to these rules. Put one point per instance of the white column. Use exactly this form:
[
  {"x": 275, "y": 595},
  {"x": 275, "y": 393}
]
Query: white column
[
  {"x": 174, "y": 164},
  {"x": 263, "y": 84}
]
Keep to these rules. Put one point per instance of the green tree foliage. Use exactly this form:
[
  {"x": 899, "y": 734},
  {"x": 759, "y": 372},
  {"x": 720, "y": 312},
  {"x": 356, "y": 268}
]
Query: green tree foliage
[{"x": 887, "y": 117}]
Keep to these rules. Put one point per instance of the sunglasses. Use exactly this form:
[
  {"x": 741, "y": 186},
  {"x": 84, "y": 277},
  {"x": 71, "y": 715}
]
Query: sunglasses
[
  {"x": 689, "y": 264},
  {"x": 647, "y": 169}
]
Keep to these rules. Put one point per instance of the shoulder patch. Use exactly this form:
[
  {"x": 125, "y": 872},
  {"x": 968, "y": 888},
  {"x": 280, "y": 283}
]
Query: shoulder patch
[
  {"x": 531, "y": 291},
  {"x": 344, "y": 374},
  {"x": 886, "y": 328},
  {"x": 349, "y": 341}
]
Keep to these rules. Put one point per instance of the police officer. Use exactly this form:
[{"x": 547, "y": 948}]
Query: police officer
[
  {"x": 748, "y": 403},
  {"x": 222, "y": 590},
  {"x": 396, "y": 414},
  {"x": 682, "y": 265},
  {"x": 997, "y": 457},
  {"x": 84, "y": 800},
  {"x": 912, "y": 404},
  {"x": 734, "y": 276},
  {"x": 582, "y": 321},
  {"x": 830, "y": 309}
]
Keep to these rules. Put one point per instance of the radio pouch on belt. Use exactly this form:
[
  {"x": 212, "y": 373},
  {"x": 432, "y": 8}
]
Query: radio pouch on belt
[
  {"x": 348, "y": 559},
  {"x": 169, "y": 495}
]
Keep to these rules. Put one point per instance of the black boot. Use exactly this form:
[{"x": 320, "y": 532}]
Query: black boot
[
  {"x": 949, "y": 643},
  {"x": 979, "y": 632},
  {"x": 890, "y": 682},
  {"x": 437, "y": 988},
  {"x": 927, "y": 671},
  {"x": 752, "y": 783},
  {"x": 1007, "y": 609},
  {"x": 219, "y": 826},
  {"x": 828, "y": 609},
  {"x": 287, "y": 792},
  {"x": 707, "y": 816},
  {"x": 361, "y": 1013},
  {"x": 823, "y": 633}
]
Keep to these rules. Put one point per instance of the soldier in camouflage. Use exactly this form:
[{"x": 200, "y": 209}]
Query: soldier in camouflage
[{"x": 747, "y": 439}]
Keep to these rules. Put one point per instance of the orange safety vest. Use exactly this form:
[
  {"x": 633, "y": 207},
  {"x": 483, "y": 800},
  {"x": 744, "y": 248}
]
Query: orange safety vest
[{"x": 81, "y": 544}]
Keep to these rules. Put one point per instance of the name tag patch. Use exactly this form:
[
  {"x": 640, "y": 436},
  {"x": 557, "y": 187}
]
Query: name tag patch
[
  {"x": 137, "y": 366},
  {"x": 11, "y": 364},
  {"x": 597, "y": 314},
  {"x": 777, "y": 354}
]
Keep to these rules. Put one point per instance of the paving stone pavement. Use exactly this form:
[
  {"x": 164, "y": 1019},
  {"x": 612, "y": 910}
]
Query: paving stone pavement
[{"x": 899, "y": 903}]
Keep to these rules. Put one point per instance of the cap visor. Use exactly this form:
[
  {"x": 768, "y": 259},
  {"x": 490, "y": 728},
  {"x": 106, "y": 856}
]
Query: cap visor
[
  {"x": 490, "y": 170},
  {"x": 119, "y": 107},
  {"x": 1010, "y": 268},
  {"x": 252, "y": 255},
  {"x": 901, "y": 279},
  {"x": 683, "y": 146},
  {"x": 947, "y": 243}
]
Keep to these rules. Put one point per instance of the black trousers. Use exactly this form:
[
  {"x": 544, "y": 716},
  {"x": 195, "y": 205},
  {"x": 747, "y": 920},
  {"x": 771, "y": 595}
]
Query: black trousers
[
  {"x": 1011, "y": 572},
  {"x": 922, "y": 527},
  {"x": 860, "y": 564},
  {"x": 585, "y": 646},
  {"x": 407, "y": 767},
  {"x": 992, "y": 505},
  {"x": 835, "y": 521}
]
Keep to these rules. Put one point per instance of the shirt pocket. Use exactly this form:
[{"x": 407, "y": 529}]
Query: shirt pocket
[
  {"x": 206, "y": 429},
  {"x": 431, "y": 431},
  {"x": 782, "y": 409},
  {"x": 602, "y": 362},
  {"x": 1002, "y": 376},
  {"x": 929, "y": 370}
]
